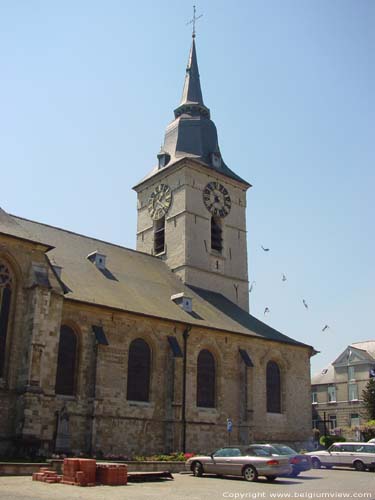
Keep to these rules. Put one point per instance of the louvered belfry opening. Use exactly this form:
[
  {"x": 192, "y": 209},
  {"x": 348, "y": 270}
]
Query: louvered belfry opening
[
  {"x": 66, "y": 362},
  {"x": 159, "y": 236},
  {"x": 139, "y": 365},
  {"x": 216, "y": 235},
  {"x": 273, "y": 388},
  {"x": 5, "y": 302},
  {"x": 206, "y": 380}
]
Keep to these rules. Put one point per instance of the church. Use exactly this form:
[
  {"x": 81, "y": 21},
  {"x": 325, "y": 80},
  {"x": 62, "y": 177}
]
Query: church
[{"x": 109, "y": 350}]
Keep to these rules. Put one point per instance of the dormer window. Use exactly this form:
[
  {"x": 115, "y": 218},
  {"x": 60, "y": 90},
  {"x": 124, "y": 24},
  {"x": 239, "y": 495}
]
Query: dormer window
[
  {"x": 216, "y": 235},
  {"x": 159, "y": 236},
  {"x": 163, "y": 159},
  {"x": 185, "y": 302},
  {"x": 216, "y": 160},
  {"x": 98, "y": 259}
]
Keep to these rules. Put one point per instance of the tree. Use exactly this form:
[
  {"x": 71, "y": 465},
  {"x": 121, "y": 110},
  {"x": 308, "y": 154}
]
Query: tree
[{"x": 368, "y": 396}]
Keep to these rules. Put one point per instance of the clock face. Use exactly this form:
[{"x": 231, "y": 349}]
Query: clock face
[
  {"x": 160, "y": 201},
  {"x": 217, "y": 199}
]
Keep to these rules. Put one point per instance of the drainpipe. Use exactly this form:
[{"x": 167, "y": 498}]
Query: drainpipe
[
  {"x": 92, "y": 426},
  {"x": 184, "y": 377}
]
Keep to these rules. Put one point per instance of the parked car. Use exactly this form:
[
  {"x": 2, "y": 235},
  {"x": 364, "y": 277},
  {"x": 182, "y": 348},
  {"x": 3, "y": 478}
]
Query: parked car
[
  {"x": 371, "y": 440},
  {"x": 299, "y": 462},
  {"x": 361, "y": 456},
  {"x": 240, "y": 461}
]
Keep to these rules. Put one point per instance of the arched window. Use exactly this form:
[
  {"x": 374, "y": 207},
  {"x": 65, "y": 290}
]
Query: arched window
[
  {"x": 273, "y": 388},
  {"x": 206, "y": 379},
  {"x": 66, "y": 362},
  {"x": 216, "y": 235},
  {"x": 139, "y": 364},
  {"x": 159, "y": 236},
  {"x": 6, "y": 285}
]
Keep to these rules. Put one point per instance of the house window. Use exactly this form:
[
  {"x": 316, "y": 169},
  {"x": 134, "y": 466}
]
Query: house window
[
  {"x": 5, "y": 301},
  {"x": 354, "y": 420},
  {"x": 216, "y": 235},
  {"x": 139, "y": 368},
  {"x": 66, "y": 362},
  {"x": 273, "y": 388},
  {"x": 159, "y": 236},
  {"x": 332, "y": 422},
  {"x": 351, "y": 373},
  {"x": 331, "y": 394},
  {"x": 353, "y": 392},
  {"x": 206, "y": 380},
  {"x": 314, "y": 396}
]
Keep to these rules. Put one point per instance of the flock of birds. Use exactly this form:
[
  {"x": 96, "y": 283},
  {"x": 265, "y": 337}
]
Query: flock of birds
[{"x": 284, "y": 278}]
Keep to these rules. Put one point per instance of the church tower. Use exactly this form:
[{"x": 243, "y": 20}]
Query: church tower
[{"x": 192, "y": 206}]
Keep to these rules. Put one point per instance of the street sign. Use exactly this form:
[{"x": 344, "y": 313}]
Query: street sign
[{"x": 229, "y": 425}]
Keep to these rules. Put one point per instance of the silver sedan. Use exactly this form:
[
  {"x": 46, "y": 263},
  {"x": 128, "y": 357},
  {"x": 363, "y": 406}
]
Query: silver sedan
[{"x": 240, "y": 461}]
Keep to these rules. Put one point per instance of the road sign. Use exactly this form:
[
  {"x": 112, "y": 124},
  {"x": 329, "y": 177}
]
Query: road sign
[{"x": 229, "y": 425}]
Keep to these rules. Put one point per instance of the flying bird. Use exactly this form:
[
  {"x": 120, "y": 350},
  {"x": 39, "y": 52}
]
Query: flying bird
[
  {"x": 252, "y": 286},
  {"x": 284, "y": 277},
  {"x": 325, "y": 327},
  {"x": 265, "y": 249},
  {"x": 266, "y": 311},
  {"x": 305, "y": 303}
]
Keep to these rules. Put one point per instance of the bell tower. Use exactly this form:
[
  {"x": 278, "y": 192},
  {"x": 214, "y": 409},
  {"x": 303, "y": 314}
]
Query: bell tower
[{"x": 192, "y": 206}]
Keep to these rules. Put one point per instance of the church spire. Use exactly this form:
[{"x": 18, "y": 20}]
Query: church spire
[
  {"x": 192, "y": 92},
  {"x": 192, "y": 99}
]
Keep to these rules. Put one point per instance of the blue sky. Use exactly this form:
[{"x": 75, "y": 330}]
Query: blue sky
[{"x": 87, "y": 89}]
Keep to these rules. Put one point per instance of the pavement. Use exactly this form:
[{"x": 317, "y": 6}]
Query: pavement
[{"x": 317, "y": 483}]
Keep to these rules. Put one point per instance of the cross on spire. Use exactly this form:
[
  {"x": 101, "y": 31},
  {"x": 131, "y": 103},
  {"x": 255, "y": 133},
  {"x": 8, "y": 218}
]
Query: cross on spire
[{"x": 194, "y": 20}]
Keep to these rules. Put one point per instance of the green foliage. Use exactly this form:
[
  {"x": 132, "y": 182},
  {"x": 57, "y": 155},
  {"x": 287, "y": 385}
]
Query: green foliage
[
  {"x": 326, "y": 441},
  {"x": 368, "y": 430},
  {"x": 368, "y": 396},
  {"x": 172, "y": 457}
]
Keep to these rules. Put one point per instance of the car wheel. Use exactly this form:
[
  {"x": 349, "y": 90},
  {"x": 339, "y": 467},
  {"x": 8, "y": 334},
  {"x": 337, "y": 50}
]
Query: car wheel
[
  {"x": 328, "y": 466},
  {"x": 271, "y": 478},
  {"x": 315, "y": 463},
  {"x": 360, "y": 466},
  {"x": 294, "y": 473},
  {"x": 250, "y": 473},
  {"x": 197, "y": 469}
]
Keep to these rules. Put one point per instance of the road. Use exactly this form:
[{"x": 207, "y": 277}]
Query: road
[{"x": 319, "y": 483}]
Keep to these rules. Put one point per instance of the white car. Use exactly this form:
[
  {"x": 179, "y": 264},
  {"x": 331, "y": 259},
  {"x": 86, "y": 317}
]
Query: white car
[
  {"x": 361, "y": 456},
  {"x": 371, "y": 440}
]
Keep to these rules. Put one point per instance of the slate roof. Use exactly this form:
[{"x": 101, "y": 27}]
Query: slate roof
[
  {"x": 135, "y": 282},
  {"x": 192, "y": 134}
]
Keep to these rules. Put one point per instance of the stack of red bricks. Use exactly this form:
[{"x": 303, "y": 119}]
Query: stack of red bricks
[
  {"x": 112, "y": 474},
  {"x": 46, "y": 475},
  {"x": 79, "y": 472}
]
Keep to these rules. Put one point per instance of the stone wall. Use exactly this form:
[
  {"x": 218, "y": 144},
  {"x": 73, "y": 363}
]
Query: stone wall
[{"x": 100, "y": 418}]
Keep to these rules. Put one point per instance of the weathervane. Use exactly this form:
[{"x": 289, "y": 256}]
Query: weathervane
[{"x": 192, "y": 21}]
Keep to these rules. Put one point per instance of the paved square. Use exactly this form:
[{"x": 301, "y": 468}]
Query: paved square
[{"x": 312, "y": 484}]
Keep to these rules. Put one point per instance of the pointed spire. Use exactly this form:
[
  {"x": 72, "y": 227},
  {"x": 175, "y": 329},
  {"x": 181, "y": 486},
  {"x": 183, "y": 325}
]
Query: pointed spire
[{"x": 192, "y": 93}]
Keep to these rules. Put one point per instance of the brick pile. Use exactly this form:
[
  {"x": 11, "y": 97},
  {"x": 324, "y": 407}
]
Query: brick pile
[
  {"x": 79, "y": 472},
  {"x": 46, "y": 475},
  {"x": 112, "y": 474},
  {"x": 85, "y": 472}
]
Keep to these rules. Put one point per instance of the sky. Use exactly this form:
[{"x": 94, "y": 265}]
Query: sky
[{"x": 87, "y": 89}]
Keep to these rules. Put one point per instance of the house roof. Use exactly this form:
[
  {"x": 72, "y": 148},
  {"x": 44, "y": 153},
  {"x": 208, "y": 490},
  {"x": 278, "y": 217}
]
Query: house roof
[
  {"x": 359, "y": 352},
  {"x": 136, "y": 282}
]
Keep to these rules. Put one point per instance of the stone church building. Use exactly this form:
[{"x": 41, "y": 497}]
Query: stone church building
[{"x": 105, "y": 349}]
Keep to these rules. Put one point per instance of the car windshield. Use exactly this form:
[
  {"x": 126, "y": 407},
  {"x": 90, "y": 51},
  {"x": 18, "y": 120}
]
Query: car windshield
[{"x": 284, "y": 450}]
